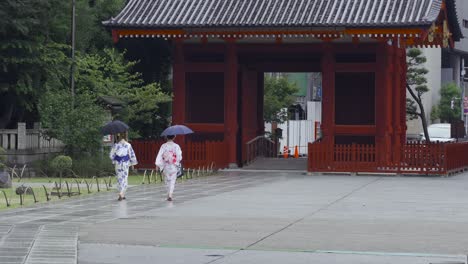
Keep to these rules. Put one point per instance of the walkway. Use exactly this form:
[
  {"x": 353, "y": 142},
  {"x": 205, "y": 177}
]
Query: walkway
[
  {"x": 243, "y": 217},
  {"x": 299, "y": 164}
]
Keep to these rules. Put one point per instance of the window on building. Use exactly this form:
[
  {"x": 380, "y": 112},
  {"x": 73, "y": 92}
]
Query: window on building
[{"x": 465, "y": 23}]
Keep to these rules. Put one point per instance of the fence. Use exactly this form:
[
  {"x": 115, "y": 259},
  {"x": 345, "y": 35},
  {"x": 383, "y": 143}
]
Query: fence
[
  {"x": 23, "y": 139},
  {"x": 296, "y": 133},
  {"x": 416, "y": 158},
  {"x": 195, "y": 154}
]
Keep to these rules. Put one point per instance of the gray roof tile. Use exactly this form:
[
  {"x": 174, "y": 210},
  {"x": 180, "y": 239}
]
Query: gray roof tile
[{"x": 276, "y": 13}]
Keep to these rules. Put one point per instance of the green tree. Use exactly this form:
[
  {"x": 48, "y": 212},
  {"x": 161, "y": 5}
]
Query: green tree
[
  {"x": 435, "y": 113},
  {"x": 22, "y": 31},
  {"x": 450, "y": 94},
  {"x": 111, "y": 75},
  {"x": 279, "y": 94},
  {"x": 416, "y": 84},
  {"x": 32, "y": 30},
  {"x": 77, "y": 127}
]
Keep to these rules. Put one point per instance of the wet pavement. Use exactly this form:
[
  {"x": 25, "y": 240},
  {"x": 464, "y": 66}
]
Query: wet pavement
[{"x": 251, "y": 217}]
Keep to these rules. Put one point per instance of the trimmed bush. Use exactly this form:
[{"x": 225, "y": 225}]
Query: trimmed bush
[
  {"x": 93, "y": 165},
  {"x": 61, "y": 163}
]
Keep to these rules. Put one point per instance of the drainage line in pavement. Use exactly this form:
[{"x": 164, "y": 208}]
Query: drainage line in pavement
[{"x": 315, "y": 212}]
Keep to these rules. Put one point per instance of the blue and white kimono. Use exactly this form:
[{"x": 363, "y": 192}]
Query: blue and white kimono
[{"x": 122, "y": 156}]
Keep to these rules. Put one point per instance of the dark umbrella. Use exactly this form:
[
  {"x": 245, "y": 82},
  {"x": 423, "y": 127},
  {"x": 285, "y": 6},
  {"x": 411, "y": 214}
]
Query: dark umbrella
[
  {"x": 176, "y": 130},
  {"x": 114, "y": 127}
]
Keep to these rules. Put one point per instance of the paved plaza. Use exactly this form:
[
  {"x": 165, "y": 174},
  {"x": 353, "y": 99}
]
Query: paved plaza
[{"x": 251, "y": 217}]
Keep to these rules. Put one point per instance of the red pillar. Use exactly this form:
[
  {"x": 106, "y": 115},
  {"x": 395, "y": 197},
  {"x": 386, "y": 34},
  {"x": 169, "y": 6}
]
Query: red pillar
[
  {"x": 402, "y": 87},
  {"x": 231, "y": 102},
  {"x": 178, "y": 84},
  {"x": 380, "y": 115},
  {"x": 388, "y": 84},
  {"x": 397, "y": 72},
  {"x": 328, "y": 100}
]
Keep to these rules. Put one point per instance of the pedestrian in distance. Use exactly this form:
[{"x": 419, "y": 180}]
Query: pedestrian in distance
[
  {"x": 168, "y": 162},
  {"x": 123, "y": 157}
]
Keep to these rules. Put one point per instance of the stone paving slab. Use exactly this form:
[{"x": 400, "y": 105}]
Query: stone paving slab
[{"x": 54, "y": 244}]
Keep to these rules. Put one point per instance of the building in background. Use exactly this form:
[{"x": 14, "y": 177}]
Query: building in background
[{"x": 445, "y": 65}]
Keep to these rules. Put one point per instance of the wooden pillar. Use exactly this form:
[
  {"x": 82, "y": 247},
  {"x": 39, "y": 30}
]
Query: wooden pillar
[
  {"x": 178, "y": 83},
  {"x": 397, "y": 75},
  {"x": 328, "y": 98},
  {"x": 388, "y": 84},
  {"x": 260, "y": 102},
  {"x": 402, "y": 87},
  {"x": 231, "y": 102},
  {"x": 380, "y": 116}
]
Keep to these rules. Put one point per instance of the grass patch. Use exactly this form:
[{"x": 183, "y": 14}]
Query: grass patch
[
  {"x": 135, "y": 178},
  {"x": 37, "y": 184},
  {"x": 41, "y": 197}
]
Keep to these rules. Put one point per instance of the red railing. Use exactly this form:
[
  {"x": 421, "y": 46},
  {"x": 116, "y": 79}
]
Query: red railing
[
  {"x": 423, "y": 158},
  {"x": 416, "y": 158},
  {"x": 456, "y": 156},
  {"x": 200, "y": 154},
  {"x": 146, "y": 151},
  {"x": 341, "y": 158},
  {"x": 195, "y": 154}
]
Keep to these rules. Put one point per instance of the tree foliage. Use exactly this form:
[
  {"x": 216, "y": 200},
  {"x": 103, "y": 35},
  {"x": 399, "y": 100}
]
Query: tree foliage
[
  {"x": 279, "y": 94},
  {"x": 35, "y": 71},
  {"x": 31, "y": 33},
  {"x": 111, "y": 75},
  {"x": 416, "y": 84},
  {"x": 77, "y": 125},
  {"x": 450, "y": 94}
]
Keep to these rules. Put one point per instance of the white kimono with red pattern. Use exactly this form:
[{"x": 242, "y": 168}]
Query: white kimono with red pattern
[{"x": 168, "y": 160}]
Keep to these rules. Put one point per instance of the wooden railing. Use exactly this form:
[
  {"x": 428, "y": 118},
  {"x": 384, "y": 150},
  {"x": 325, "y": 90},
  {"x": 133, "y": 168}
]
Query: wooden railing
[
  {"x": 456, "y": 157},
  {"x": 416, "y": 158},
  {"x": 423, "y": 158},
  {"x": 194, "y": 154},
  {"x": 260, "y": 146},
  {"x": 146, "y": 151},
  {"x": 352, "y": 157}
]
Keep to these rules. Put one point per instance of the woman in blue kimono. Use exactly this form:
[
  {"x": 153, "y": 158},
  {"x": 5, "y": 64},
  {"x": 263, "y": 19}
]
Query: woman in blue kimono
[{"x": 122, "y": 156}]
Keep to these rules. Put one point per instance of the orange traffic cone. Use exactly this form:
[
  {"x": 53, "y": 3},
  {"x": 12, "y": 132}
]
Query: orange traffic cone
[
  {"x": 296, "y": 152},
  {"x": 285, "y": 152}
]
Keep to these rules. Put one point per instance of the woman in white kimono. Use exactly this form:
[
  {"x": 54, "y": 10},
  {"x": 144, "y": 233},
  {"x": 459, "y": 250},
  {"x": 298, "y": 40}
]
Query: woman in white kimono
[
  {"x": 168, "y": 161},
  {"x": 122, "y": 156}
]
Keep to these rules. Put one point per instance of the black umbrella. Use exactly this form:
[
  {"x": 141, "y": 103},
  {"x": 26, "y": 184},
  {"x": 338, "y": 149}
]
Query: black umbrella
[{"x": 114, "y": 127}]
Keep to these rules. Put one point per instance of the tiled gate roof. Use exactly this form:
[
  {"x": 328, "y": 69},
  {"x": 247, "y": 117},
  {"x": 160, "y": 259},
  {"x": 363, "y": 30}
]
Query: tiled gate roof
[{"x": 276, "y": 13}]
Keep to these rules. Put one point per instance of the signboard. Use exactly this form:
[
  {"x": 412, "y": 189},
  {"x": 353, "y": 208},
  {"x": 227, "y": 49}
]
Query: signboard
[
  {"x": 107, "y": 139},
  {"x": 465, "y": 105}
]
